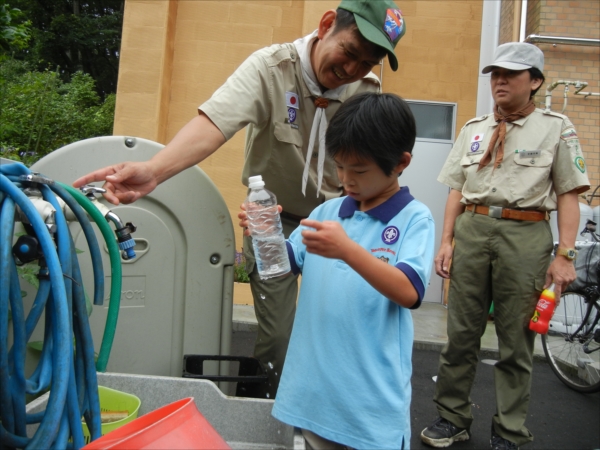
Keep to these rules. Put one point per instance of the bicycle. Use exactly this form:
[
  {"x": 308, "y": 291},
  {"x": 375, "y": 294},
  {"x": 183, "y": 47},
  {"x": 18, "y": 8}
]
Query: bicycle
[{"x": 572, "y": 344}]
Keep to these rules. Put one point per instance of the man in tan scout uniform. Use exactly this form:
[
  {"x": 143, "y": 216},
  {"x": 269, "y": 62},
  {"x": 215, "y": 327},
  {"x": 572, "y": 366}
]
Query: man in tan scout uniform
[
  {"x": 506, "y": 171},
  {"x": 285, "y": 94}
]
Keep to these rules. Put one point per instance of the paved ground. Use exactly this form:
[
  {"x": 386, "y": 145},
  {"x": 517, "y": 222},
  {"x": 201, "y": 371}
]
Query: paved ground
[{"x": 559, "y": 418}]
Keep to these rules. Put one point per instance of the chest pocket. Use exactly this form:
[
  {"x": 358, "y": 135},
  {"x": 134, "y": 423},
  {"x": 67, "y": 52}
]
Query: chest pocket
[
  {"x": 286, "y": 134},
  {"x": 530, "y": 176},
  {"x": 544, "y": 160},
  {"x": 469, "y": 164}
]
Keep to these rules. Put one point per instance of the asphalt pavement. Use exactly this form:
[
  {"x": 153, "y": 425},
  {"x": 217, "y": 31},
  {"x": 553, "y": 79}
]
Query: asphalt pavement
[{"x": 559, "y": 418}]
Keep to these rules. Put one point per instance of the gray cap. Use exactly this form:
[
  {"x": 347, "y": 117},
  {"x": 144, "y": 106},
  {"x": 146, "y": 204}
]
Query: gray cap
[{"x": 517, "y": 56}]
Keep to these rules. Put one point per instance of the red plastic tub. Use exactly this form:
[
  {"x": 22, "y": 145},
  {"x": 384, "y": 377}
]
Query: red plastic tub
[{"x": 178, "y": 425}]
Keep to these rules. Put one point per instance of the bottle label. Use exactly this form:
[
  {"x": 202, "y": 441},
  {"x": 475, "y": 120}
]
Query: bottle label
[{"x": 543, "y": 304}]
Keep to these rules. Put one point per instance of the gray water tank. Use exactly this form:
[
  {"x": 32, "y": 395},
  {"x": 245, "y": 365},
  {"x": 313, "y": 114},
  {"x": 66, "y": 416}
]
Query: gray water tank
[{"x": 177, "y": 295}]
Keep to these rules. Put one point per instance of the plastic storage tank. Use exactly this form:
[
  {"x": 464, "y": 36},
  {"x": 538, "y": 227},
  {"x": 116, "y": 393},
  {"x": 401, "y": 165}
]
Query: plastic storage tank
[
  {"x": 585, "y": 213},
  {"x": 177, "y": 294}
]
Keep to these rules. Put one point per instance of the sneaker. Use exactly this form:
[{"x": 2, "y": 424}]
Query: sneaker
[
  {"x": 443, "y": 433},
  {"x": 499, "y": 443}
]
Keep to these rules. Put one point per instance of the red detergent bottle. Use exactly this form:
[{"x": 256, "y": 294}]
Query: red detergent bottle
[{"x": 543, "y": 311}]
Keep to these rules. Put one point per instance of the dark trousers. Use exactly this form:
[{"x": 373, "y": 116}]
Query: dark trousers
[{"x": 275, "y": 308}]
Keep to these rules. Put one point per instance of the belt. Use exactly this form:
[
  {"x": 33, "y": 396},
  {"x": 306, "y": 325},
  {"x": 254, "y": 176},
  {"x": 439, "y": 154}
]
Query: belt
[
  {"x": 290, "y": 216},
  {"x": 507, "y": 213}
]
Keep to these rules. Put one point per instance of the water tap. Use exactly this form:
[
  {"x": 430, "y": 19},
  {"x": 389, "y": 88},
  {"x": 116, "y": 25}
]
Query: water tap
[{"x": 123, "y": 232}]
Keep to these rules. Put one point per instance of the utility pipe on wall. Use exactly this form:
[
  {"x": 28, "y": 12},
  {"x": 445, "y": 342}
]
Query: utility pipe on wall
[{"x": 537, "y": 39}]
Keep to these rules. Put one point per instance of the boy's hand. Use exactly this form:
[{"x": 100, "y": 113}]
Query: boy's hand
[
  {"x": 328, "y": 239},
  {"x": 243, "y": 216}
]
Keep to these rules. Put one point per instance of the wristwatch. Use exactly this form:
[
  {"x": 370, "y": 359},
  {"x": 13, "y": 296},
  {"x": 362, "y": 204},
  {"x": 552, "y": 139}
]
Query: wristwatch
[{"x": 569, "y": 253}]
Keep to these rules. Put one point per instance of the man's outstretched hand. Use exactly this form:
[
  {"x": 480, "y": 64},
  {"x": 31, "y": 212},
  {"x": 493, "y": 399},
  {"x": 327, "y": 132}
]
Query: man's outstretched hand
[{"x": 124, "y": 182}]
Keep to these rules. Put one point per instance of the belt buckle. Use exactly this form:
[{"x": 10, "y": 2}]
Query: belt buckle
[{"x": 495, "y": 212}]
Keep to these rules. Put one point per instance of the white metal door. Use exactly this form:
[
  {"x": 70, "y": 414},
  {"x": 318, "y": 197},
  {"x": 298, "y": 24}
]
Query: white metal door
[
  {"x": 420, "y": 177},
  {"x": 436, "y": 123}
]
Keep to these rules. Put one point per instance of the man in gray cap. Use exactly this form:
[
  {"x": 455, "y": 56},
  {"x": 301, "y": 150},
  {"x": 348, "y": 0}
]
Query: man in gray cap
[
  {"x": 506, "y": 172},
  {"x": 285, "y": 94}
]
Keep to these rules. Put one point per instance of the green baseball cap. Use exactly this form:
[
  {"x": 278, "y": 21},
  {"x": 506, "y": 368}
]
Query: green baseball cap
[{"x": 379, "y": 22}]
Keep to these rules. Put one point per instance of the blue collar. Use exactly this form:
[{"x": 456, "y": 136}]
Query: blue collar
[{"x": 384, "y": 212}]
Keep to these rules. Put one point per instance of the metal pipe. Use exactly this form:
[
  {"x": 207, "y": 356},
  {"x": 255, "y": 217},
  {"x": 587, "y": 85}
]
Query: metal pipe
[
  {"x": 578, "y": 85},
  {"x": 523, "y": 20},
  {"x": 537, "y": 39}
]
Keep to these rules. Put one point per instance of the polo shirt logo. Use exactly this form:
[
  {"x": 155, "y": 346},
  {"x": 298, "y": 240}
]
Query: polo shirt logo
[{"x": 390, "y": 235}]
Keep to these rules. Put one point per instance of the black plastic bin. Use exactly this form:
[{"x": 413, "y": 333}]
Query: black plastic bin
[{"x": 251, "y": 373}]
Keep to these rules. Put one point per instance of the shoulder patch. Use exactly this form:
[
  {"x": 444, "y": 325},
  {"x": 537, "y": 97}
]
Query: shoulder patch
[
  {"x": 568, "y": 134},
  {"x": 580, "y": 164}
]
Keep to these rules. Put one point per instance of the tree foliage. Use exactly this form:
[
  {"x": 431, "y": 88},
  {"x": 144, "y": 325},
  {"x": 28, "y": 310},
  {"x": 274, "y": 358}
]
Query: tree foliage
[
  {"x": 14, "y": 30},
  {"x": 40, "y": 113},
  {"x": 76, "y": 36}
]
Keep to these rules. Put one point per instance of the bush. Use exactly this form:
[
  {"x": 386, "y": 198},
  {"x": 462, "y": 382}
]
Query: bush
[{"x": 39, "y": 113}]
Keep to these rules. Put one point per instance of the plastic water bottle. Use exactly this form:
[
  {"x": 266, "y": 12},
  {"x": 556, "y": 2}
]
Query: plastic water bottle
[
  {"x": 266, "y": 231},
  {"x": 543, "y": 311}
]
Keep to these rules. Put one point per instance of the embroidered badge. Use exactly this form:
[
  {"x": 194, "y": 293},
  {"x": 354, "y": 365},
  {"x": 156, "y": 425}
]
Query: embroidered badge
[
  {"x": 292, "y": 100},
  {"x": 390, "y": 235},
  {"x": 568, "y": 134},
  {"x": 292, "y": 115},
  {"x": 384, "y": 259},
  {"x": 477, "y": 138},
  {"x": 394, "y": 24},
  {"x": 474, "y": 146},
  {"x": 580, "y": 164}
]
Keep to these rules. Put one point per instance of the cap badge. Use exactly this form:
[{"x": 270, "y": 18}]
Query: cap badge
[
  {"x": 393, "y": 24},
  {"x": 390, "y": 235}
]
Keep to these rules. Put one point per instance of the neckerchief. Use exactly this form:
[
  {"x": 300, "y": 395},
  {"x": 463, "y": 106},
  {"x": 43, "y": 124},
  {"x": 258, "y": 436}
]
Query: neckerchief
[
  {"x": 500, "y": 134},
  {"x": 319, "y": 125}
]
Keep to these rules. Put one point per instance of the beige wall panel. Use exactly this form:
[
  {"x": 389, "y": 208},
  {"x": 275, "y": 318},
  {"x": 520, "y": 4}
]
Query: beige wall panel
[
  {"x": 255, "y": 34},
  {"x": 313, "y": 11},
  {"x": 208, "y": 11},
  {"x": 200, "y": 51}
]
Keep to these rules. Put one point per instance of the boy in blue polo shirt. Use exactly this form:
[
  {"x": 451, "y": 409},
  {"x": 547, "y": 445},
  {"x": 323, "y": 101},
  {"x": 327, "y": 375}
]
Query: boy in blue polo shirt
[{"x": 365, "y": 260}]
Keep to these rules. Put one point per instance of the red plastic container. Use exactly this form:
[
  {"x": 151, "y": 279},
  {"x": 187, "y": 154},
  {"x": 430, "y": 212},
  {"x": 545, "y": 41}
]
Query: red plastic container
[
  {"x": 178, "y": 425},
  {"x": 540, "y": 322}
]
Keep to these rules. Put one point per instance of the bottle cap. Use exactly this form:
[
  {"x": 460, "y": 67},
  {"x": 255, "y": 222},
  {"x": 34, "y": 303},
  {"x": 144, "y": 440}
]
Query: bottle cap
[{"x": 255, "y": 182}]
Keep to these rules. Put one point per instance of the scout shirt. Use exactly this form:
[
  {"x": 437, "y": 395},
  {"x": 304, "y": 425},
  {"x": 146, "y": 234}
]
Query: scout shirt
[
  {"x": 542, "y": 159},
  {"x": 267, "y": 93},
  {"x": 347, "y": 371}
]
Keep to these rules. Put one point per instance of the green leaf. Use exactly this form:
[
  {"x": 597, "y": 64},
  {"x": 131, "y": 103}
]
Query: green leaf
[{"x": 36, "y": 345}]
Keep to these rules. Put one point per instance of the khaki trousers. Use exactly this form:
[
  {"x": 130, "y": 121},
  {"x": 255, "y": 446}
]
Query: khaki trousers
[
  {"x": 503, "y": 261},
  {"x": 275, "y": 308}
]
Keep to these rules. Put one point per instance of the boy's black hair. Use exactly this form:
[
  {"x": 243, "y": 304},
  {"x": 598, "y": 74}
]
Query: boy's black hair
[
  {"x": 536, "y": 74},
  {"x": 372, "y": 127},
  {"x": 344, "y": 20}
]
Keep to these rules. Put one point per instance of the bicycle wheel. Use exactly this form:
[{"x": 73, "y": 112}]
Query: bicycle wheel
[{"x": 565, "y": 352}]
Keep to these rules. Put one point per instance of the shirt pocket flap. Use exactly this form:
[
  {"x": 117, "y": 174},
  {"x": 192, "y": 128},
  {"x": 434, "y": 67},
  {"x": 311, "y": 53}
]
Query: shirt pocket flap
[
  {"x": 543, "y": 160},
  {"x": 285, "y": 133},
  {"x": 470, "y": 159}
]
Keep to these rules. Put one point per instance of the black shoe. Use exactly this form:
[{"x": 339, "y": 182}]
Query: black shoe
[
  {"x": 499, "y": 443},
  {"x": 443, "y": 433}
]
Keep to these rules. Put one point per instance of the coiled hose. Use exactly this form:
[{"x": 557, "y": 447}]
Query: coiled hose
[{"x": 66, "y": 363}]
